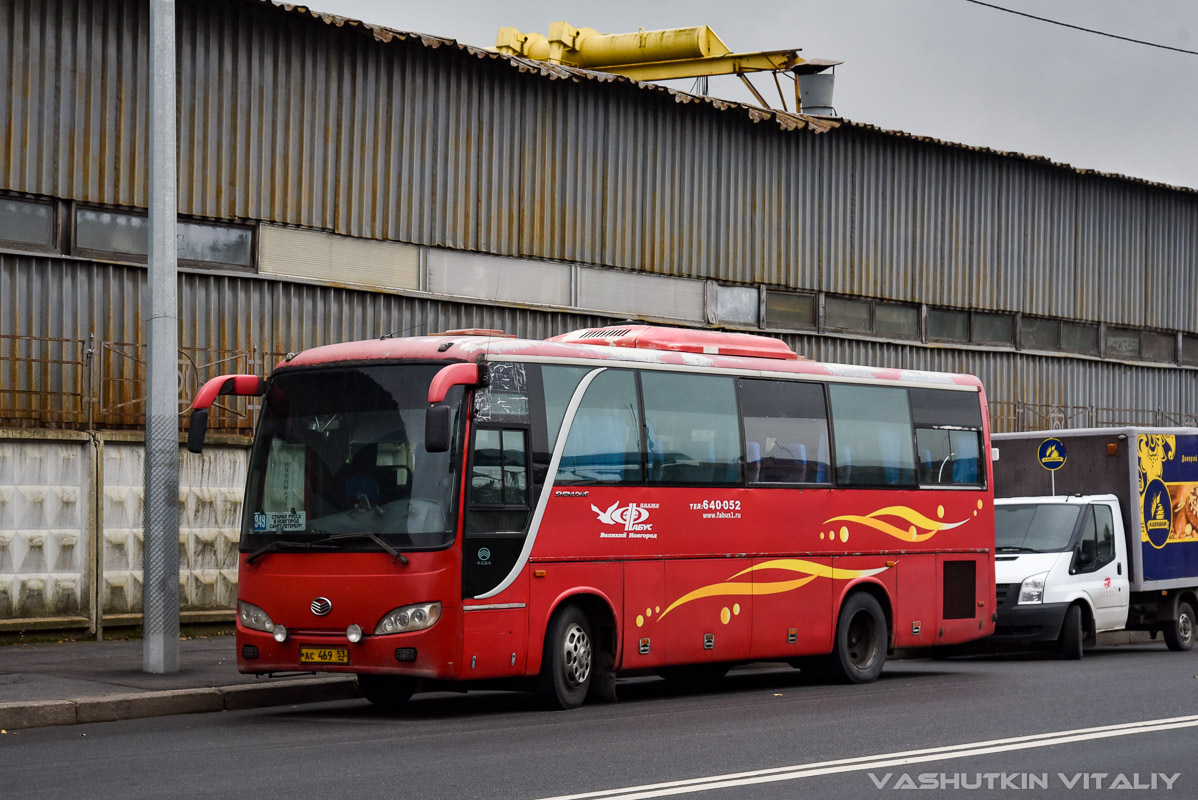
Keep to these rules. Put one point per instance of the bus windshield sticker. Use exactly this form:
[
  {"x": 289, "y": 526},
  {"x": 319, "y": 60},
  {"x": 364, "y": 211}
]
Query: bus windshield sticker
[
  {"x": 283, "y": 492},
  {"x": 505, "y": 397},
  {"x": 280, "y": 520}
]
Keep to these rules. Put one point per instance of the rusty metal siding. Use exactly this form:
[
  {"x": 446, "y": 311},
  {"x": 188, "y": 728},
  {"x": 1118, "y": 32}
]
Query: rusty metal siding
[{"x": 286, "y": 118}]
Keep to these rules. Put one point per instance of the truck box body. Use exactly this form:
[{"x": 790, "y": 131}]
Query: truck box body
[{"x": 1153, "y": 472}]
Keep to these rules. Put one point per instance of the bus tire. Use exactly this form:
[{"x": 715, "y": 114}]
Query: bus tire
[
  {"x": 1180, "y": 635},
  {"x": 390, "y": 692},
  {"x": 1072, "y": 634},
  {"x": 861, "y": 639},
  {"x": 567, "y": 661}
]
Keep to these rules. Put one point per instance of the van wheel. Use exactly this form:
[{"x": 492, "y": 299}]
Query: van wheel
[
  {"x": 861, "y": 638},
  {"x": 566, "y": 662},
  {"x": 1180, "y": 635},
  {"x": 390, "y": 692},
  {"x": 1072, "y": 635}
]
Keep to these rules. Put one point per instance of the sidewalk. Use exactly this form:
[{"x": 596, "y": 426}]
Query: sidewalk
[{"x": 75, "y": 682}]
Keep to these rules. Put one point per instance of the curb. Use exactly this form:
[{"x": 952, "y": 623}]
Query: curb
[{"x": 44, "y": 713}]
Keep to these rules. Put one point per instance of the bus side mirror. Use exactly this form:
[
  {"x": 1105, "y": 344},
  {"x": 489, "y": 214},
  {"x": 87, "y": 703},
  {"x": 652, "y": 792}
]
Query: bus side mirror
[
  {"x": 197, "y": 427},
  {"x": 240, "y": 385},
  {"x": 436, "y": 429}
]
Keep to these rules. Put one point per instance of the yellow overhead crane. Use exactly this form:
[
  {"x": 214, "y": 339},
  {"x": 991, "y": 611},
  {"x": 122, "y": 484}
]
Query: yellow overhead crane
[{"x": 667, "y": 54}]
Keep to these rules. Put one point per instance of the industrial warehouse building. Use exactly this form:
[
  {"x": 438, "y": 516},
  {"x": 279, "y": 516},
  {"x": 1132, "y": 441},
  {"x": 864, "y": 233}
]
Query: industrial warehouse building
[{"x": 339, "y": 181}]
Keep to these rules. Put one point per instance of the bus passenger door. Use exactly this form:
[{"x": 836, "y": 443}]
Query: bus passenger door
[{"x": 497, "y": 509}]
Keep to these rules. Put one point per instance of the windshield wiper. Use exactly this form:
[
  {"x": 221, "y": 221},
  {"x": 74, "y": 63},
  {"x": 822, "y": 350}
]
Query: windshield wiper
[
  {"x": 275, "y": 544},
  {"x": 374, "y": 537},
  {"x": 1012, "y": 548}
]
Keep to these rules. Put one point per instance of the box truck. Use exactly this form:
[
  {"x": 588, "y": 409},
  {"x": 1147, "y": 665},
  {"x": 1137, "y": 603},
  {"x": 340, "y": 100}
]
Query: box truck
[{"x": 1096, "y": 530}]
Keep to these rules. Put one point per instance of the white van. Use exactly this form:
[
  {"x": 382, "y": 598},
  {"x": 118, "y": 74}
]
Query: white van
[{"x": 1096, "y": 530}]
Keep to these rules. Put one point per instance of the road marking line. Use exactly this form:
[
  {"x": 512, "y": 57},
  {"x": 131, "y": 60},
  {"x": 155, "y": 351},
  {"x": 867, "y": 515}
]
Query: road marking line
[{"x": 882, "y": 760}]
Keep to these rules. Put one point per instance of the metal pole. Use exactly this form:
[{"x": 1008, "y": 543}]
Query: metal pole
[{"x": 160, "y": 551}]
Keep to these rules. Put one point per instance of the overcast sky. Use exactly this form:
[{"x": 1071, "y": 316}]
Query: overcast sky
[{"x": 949, "y": 69}]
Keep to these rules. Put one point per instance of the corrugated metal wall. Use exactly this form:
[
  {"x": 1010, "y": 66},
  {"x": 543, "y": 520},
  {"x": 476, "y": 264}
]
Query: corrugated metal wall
[
  {"x": 286, "y": 118},
  {"x": 247, "y": 323}
]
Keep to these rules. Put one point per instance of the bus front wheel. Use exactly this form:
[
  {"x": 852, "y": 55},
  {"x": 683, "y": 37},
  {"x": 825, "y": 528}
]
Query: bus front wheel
[
  {"x": 861, "y": 639},
  {"x": 566, "y": 664}
]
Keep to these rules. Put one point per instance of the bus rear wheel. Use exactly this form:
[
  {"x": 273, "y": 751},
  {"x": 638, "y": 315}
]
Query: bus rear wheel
[
  {"x": 1180, "y": 635},
  {"x": 566, "y": 664},
  {"x": 390, "y": 692},
  {"x": 861, "y": 639}
]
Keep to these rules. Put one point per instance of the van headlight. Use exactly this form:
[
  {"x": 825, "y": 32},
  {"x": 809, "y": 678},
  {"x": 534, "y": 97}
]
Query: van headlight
[
  {"x": 1032, "y": 589},
  {"x": 406, "y": 619},
  {"x": 254, "y": 618}
]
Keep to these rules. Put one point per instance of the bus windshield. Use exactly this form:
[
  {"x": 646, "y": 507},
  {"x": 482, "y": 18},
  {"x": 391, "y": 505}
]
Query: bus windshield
[
  {"x": 1034, "y": 527},
  {"x": 341, "y": 451}
]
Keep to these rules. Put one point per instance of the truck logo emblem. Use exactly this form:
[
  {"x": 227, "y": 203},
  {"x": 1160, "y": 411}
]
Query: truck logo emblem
[
  {"x": 321, "y": 606},
  {"x": 1157, "y": 513},
  {"x": 484, "y": 554}
]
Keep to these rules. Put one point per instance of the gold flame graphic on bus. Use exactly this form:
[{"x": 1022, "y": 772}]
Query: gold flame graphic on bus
[
  {"x": 810, "y": 570},
  {"x": 920, "y": 528}
]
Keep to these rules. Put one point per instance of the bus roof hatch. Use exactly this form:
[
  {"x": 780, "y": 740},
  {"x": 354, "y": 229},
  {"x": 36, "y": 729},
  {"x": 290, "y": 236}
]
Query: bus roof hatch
[{"x": 682, "y": 340}]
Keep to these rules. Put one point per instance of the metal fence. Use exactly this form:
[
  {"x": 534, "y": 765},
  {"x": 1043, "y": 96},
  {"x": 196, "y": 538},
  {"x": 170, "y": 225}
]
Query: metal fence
[{"x": 96, "y": 384}]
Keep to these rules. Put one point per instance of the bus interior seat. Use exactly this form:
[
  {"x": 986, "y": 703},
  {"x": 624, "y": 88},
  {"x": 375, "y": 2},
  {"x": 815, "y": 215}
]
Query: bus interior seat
[{"x": 821, "y": 462}]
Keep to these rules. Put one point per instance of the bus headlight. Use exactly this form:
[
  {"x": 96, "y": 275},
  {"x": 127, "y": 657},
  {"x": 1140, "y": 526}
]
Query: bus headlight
[
  {"x": 254, "y": 618},
  {"x": 1032, "y": 589},
  {"x": 409, "y": 618}
]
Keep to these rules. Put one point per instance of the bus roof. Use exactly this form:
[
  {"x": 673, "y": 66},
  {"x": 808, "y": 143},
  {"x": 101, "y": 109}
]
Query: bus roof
[{"x": 639, "y": 344}]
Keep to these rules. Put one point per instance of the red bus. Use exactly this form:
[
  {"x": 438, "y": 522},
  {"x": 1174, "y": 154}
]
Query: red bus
[{"x": 470, "y": 506}]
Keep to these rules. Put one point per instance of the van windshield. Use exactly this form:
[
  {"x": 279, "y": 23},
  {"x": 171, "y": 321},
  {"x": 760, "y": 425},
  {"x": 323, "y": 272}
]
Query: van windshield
[
  {"x": 1034, "y": 527},
  {"x": 340, "y": 453}
]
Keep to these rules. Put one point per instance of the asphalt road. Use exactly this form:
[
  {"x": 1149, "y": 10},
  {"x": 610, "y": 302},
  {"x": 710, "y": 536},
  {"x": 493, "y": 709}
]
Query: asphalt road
[{"x": 1010, "y": 726}]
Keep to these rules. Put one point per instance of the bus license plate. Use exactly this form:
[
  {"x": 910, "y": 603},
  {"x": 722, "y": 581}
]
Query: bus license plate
[{"x": 324, "y": 655}]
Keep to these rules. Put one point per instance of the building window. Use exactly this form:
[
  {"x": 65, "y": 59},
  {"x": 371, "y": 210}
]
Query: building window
[
  {"x": 992, "y": 329},
  {"x": 1122, "y": 343},
  {"x": 789, "y": 310},
  {"x": 100, "y": 231},
  {"x": 948, "y": 326},
  {"x": 210, "y": 243},
  {"x": 1158, "y": 346},
  {"x": 871, "y": 317},
  {"x": 843, "y": 314},
  {"x": 27, "y": 223},
  {"x": 106, "y": 232},
  {"x": 1189, "y": 349},
  {"x": 736, "y": 305},
  {"x": 892, "y": 319},
  {"x": 1036, "y": 333},
  {"x": 1078, "y": 338}
]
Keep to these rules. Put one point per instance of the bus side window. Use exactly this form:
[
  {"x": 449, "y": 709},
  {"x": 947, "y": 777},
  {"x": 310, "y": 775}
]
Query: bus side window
[
  {"x": 786, "y": 431},
  {"x": 948, "y": 434},
  {"x": 604, "y": 442},
  {"x": 692, "y": 428},
  {"x": 872, "y": 425}
]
